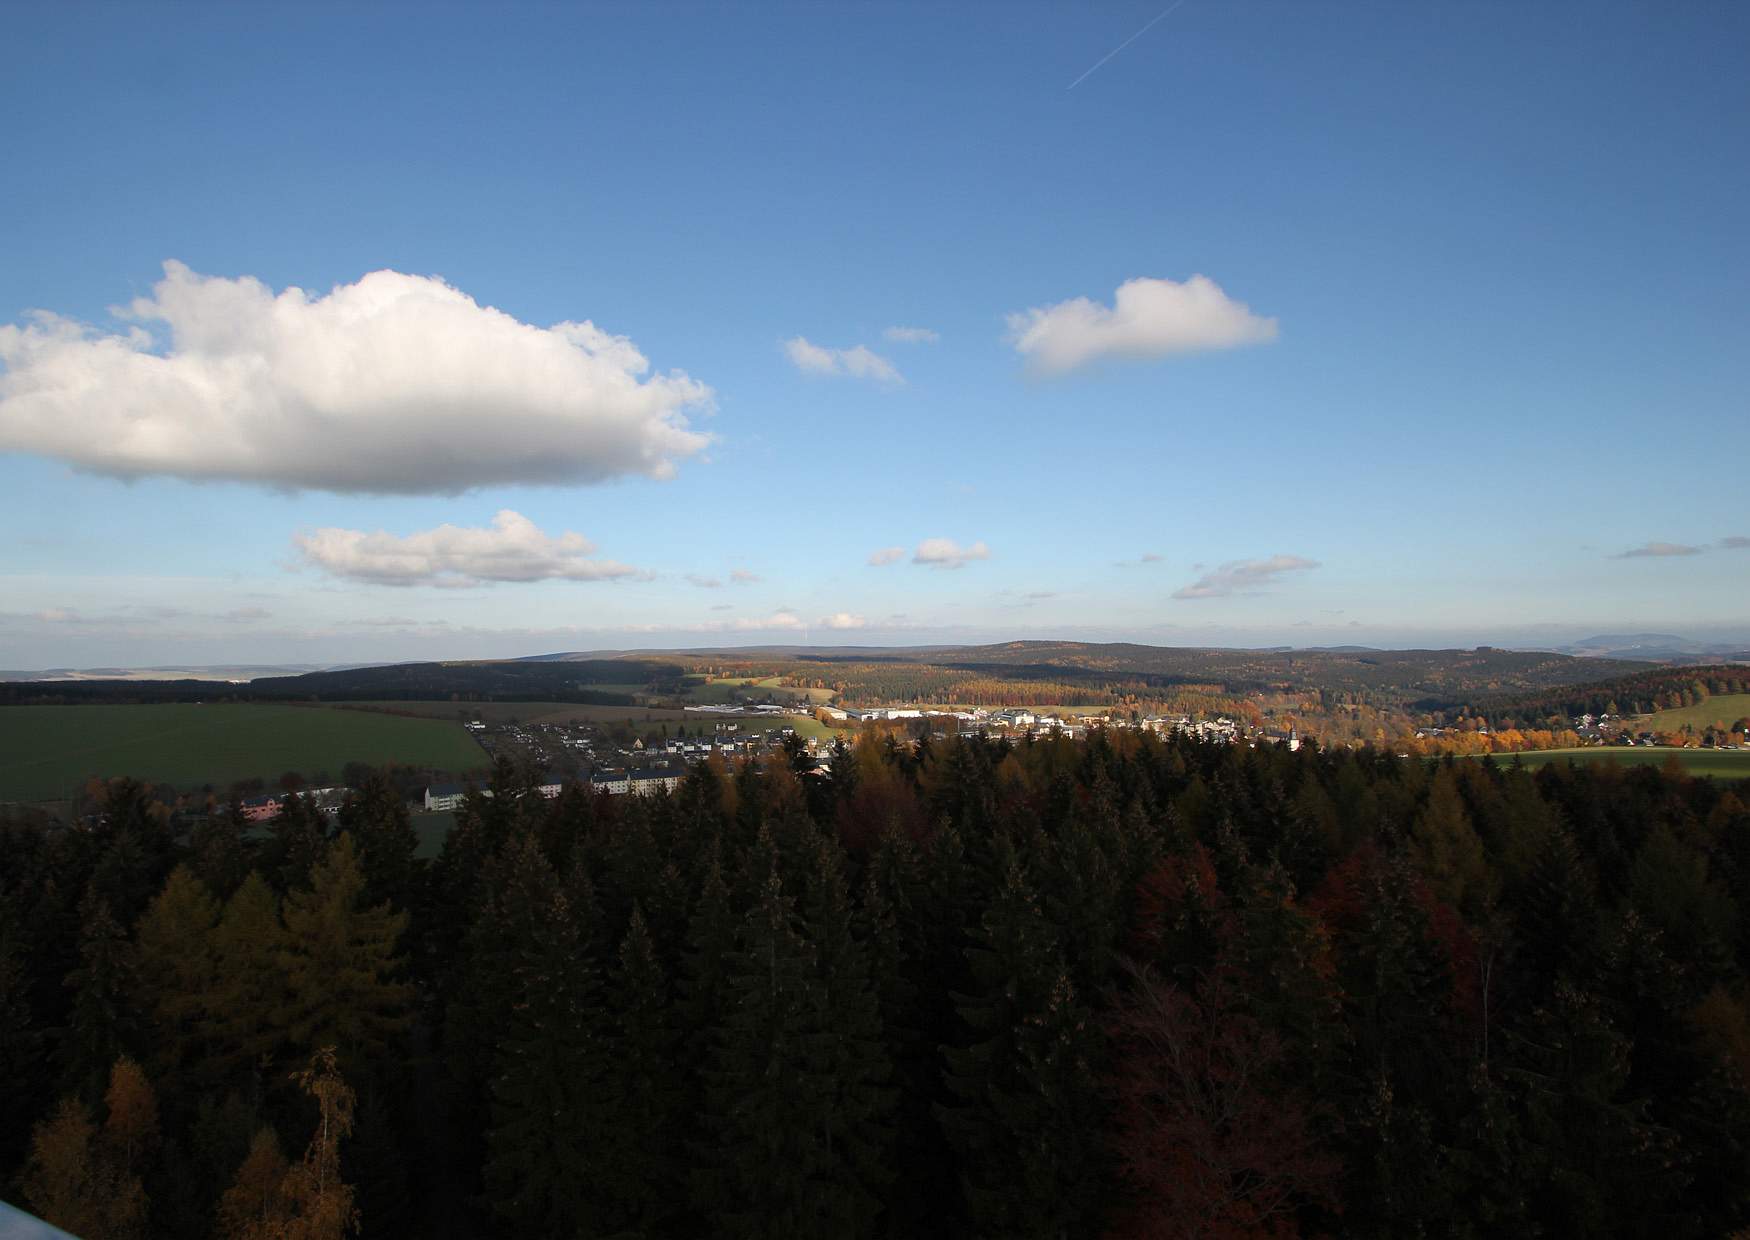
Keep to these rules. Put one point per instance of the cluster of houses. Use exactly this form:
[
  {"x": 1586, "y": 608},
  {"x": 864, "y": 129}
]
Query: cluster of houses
[
  {"x": 638, "y": 781},
  {"x": 267, "y": 807},
  {"x": 1221, "y": 730},
  {"x": 440, "y": 798}
]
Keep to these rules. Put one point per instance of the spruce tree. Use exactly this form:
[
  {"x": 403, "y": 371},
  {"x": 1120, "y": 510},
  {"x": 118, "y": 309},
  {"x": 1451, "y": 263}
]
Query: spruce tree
[
  {"x": 544, "y": 1158},
  {"x": 216, "y": 848},
  {"x": 643, "y": 1090},
  {"x": 298, "y": 841},
  {"x": 22, "y": 1084},
  {"x": 103, "y": 1025},
  {"x": 772, "y": 1168},
  {"x": 376, "y": 817},
  {"x": 849, "y": 1057},
  {"x": 1024, "y": 1121}
]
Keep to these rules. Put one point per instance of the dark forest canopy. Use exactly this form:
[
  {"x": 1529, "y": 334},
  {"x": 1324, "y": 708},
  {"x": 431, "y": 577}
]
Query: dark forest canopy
[
  {"x": 469, "y": 681},
  {"x": 1120, "y": 987}
]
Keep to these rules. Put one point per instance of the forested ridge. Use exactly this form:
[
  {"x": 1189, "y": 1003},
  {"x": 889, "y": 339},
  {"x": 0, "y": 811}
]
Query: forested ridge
[
  {"x": 1122, "y": 986},
  {"x": 1662, "y": 688}
]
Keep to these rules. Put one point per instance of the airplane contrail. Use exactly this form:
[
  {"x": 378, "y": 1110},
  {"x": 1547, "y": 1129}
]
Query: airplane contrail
[{"x": 1133, "y": 38}]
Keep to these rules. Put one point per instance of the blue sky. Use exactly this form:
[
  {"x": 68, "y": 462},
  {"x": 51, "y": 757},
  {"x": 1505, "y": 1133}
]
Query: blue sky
[{"x": 1480, "y": 326}]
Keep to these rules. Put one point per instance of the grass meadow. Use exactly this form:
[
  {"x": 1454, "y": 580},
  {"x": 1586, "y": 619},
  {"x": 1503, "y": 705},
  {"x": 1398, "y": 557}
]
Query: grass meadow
[
  {"x": 1719, "y": 711},
  {"x": 1721, "y": 763},
  {"x": 47, "y": 752}
]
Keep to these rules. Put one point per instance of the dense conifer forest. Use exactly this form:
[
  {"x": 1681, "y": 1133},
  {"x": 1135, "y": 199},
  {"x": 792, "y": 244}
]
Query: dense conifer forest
[{"x": 1123, "y": 987}]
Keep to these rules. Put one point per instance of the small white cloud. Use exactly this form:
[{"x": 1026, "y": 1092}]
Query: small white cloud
[
  {"x": 842, "y": 620},
  {"x": 1244, "y": 576},
  {"x": 393, "y": 384},
  {"x": 1149, "y": 318},
  {"x": 723, "y": 607},
  {"x": 704, "y": 583},
  {"x": 946, "y": 553},
  {"x": 911, "y": 335},
  {"x": 1656, "y": 550},
  {"x": 887, "y": 555},
  {"x": 1151, "y": 558},
  {"x": 782, "y": 619},
  {"x": 513, "y": 549},
  {"x": 744, "y": 577},
  {"x": 858, "y": 362}
]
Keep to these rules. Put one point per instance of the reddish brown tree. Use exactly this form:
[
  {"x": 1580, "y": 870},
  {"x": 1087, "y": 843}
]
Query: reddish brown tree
[{"x": 1210, "y": 1141}]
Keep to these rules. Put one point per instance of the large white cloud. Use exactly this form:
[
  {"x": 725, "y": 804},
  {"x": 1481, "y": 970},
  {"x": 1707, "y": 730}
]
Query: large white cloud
[
  {"x": 1148, "y": 318},
  {"x": 393, "y": 384},
  {"x": 512, "y": 549},
  {"x": 946, "y": 553},
  {"x": 858, "y": 362},
  {"x": 782, "y": 619},
  {"x": 1244, "y": 576}
]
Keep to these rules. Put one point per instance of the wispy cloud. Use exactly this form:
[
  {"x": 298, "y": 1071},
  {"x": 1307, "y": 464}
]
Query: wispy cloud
[
  {"x": 393, "y": 384},
  {"x": 513, "y": 548},
  {"x": 1735, "y": 542},
  {"x": 1244, "y": 576},
  {"x": 857, "y": 362},
  {"x": 1148, "y": 318},
  {"x": 744, "y": 577},
  {"x": 704, "y": 583},
  {"x": 1147, "y": 557},
  {"x": 887, "y": 555},
  {"x": 911, "y": 335},
  {"x": 1147, "y": 26},
  {"x": 1657, "y": 550}
]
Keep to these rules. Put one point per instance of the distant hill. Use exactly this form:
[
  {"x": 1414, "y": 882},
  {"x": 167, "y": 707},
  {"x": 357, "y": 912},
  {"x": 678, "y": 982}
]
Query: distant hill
[
  {"x": 1651, "y": 647},
  {"x": 1073, "y": 673},
  {"x": 1426, "y": 679}
]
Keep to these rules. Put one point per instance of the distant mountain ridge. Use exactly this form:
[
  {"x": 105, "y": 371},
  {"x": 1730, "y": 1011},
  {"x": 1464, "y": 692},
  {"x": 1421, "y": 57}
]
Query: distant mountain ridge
[{"x": 1656, "y": 648}]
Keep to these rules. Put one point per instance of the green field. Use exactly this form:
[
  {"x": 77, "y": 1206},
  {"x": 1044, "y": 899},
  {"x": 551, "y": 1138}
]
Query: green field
[
  {"x": 1719, "y": 711},
  {"x": 1726, "y": 764},
  {"x": 47, "y": 752}
]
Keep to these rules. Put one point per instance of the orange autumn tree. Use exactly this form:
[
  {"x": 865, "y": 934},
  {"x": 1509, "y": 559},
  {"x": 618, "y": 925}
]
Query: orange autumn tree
[
  {"x": 87, "y": 1180},
  {"x": 309, "y": 1200}
]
